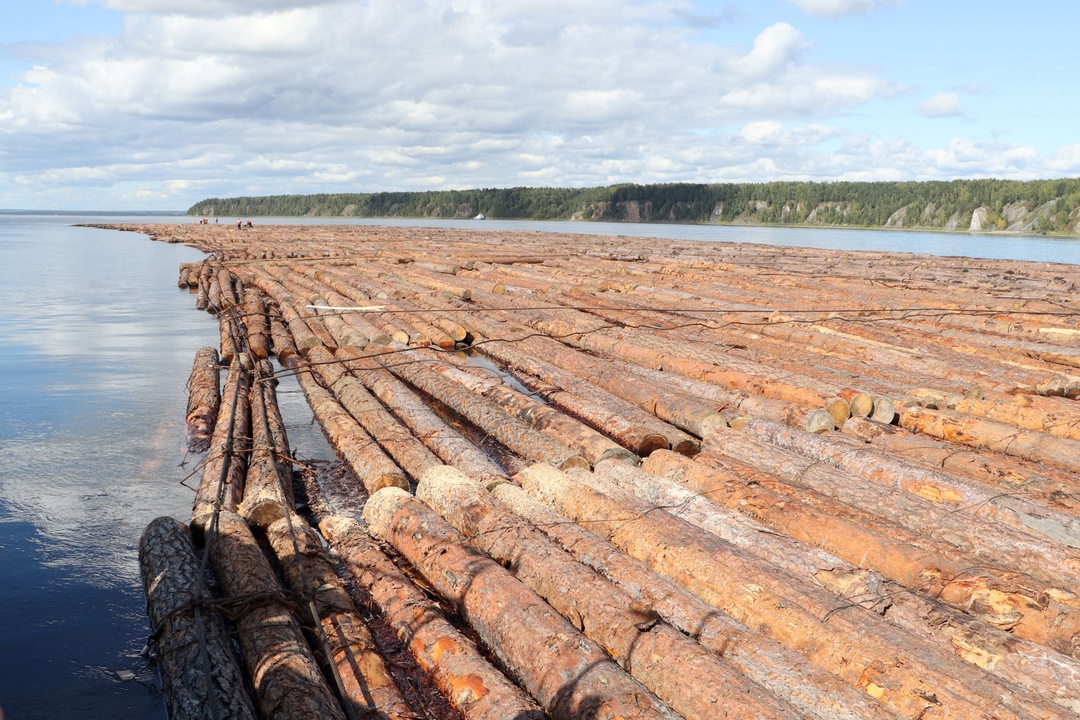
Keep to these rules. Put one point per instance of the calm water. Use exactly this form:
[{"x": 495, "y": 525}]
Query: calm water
[{"x": 96, "y": 344}]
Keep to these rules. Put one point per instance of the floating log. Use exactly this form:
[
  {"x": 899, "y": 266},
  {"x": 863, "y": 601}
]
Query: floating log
[
  {"x": 469, "y": 681},
  {"x": 365, "y": 681},
  {"x": 682, "y": 673},
  {"x": 222, "y": 484},
  {"x": 257, "y": 323},
  {"x": 286, "y": 677},
  {"x": 268, "y": 491},
  {"x": 200, "y": 675},
  {"x": 371, "y": 465},
  {"x": 571, "y": 676},
  {"x": 855, "y": 644},
  {"x": 204, "y": 399}
]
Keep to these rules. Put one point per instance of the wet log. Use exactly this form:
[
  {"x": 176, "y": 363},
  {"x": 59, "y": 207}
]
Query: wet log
[
  {"x": 257, "y": 323},
  {"x": 933, "y": 485},
  {"x": 285, "y": 674},
  {"x": 230, "y": 338},
  {"x": 854, "y": 643},
  {"x": 446, "y": 442},
  {"x": 790, "y": 677},
  {"x": 284, "y": 348},
  {"x": 365, "y": 682},
  {"x": 682, "y": 673},
  {"x": 204, "y": 399},
  {"x": 268, "y": 493},
  {"x": 370, "y": 464},
  {"x": 489, "y": 417},
  {"x": 200, "y": 678},
  {"x": 406, "y": 450},
  {"x": 571, "y": 676},
  {"x": 465, "y": 677},
  {"x": 222, "y": 483},
  {"x": 1032, "y": 666}
]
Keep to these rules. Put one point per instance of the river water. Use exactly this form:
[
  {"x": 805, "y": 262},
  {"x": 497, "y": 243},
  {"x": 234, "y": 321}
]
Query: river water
[{"x": 96, "y": 343}]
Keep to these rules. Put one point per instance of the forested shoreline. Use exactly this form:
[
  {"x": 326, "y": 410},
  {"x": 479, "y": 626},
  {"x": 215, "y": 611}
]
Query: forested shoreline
[{"x": 1046, "y": 206}]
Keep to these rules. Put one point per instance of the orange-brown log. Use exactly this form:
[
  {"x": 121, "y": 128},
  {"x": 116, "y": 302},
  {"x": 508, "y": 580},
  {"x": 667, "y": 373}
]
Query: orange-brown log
[
  {"x": 370, "y": 464},
  {"x": 790, "y": 677},
  {"x": 257, "y": 323},
  {"x": 466, "y": 678},
  {"x": 366, "y": 683},
  {"x": 571, "y": 676},
  {"x": 222, "y": 483},
  {"x": 285, "y": 674},
  {"x": 268, "y": 493},
  {"x": 204, "y": 399},
  {"x": 1031, "y": 665},
  {"x": 854, "y": 643},
  {"x": 682, "y": 673}
]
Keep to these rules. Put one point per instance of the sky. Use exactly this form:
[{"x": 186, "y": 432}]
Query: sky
[{"x": 157, "y": 104}]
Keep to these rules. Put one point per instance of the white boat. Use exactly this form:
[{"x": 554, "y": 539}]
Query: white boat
[{"x": 480, "y": 217}]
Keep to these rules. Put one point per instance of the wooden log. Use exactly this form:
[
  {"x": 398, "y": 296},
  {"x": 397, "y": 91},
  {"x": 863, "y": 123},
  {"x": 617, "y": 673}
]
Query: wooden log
[
  {"x": 204, "y": 399},
  {"x": 974, "y": 432},
  {"x": 790, "y": 677},
  {"x": 592, "y": 445},
  {"x": 406, "y": 450},
  {"x": 567, "y": 673},
  {"x": 268, "y": 494},
  {"x": 508, "y": 430},
  {"x": 229, "y": 332},
  {"x": 682, "y": 673},
  {"x": 933, "y": 485},
  {"x": 284, "y": 348},
  {"x": 200, "y": 678},
  {"x": 1056, "y": 488},
  {"x": 365, "y": 682},
  {"x": 257, "y": 323},
  {"x": 222, "y": 483},
  {"x": 466, "y": 678},
  {"x": 286, "y": 677},
  {"x": 968, "y": 540},
  {"x": 1032, "y": 666},
  {"x": 855, "y": 644},
  {"x": 370, "y": 464},
  {"x": 447, "y": 443}
]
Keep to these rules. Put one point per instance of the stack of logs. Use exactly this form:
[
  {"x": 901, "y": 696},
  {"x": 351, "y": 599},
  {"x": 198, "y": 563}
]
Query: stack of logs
[{"x": 616, "y": 477}]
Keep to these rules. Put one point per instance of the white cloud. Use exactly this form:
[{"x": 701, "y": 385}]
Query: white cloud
[
  {"x": 942, "y": 105},
  {"x": 842, "y": 8},
  {"x": 776, "y": 48}
]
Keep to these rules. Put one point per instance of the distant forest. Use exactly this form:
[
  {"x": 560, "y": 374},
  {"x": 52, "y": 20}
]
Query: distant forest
[{"x": 1046, "y": 206}]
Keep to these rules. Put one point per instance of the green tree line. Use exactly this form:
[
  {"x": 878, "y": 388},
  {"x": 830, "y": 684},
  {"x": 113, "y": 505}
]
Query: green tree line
[{"x": 1030, "y": 206}]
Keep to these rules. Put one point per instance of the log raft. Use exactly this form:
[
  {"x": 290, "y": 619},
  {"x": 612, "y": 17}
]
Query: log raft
[{"x": 859, "y": 493}]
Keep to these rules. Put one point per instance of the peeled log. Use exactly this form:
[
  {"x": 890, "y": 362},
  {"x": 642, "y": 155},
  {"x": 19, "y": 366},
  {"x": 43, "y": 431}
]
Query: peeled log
[
  {"x": 692, "y": 680},
  {"x": 365, "y": 680},
  {"x": 809, "y": 689},
  {"x": 470, "y": 683},
  {"x": 193, "y": 686},
  {"x": 226, "y": 462},
  {"x": 571, "y": 676},
  {"x": 204, "y": 399},
  {"x": 855, "y": 644},
  {"x": 287, "y": 680}
]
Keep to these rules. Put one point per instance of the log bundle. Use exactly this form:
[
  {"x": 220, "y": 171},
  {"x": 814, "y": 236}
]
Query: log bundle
[{"x": 835, "y": 485}]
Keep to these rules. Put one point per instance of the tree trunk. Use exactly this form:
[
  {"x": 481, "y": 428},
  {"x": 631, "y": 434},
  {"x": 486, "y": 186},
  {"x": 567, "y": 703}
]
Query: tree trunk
[{"x": 204, "y": 399}]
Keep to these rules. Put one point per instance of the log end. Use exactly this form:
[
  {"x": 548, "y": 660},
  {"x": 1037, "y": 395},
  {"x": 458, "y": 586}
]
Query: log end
[
  {"x": 618, "y": 453},
  {"x": 839, "y": 409},
  {"x": 711, "y": 422},
  {"x": 380, "y": 509},
  {"x": 574, "y": 461},
  {"x": 262, "y": 513},
  {"x": 820, "y": 421},
  {"x": 884, "y": 410},
  {"x": 386, "y": 480},
  {"x": 687, "y": 446},
  {"x": 861, "y": 405},
  {"x": 650, "y": 443}
]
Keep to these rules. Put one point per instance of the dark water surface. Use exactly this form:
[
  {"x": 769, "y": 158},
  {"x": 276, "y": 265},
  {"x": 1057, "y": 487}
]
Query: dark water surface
[{"x": 96, "y": 343}]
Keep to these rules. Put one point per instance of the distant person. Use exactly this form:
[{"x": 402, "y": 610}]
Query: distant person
[
  {"x": 249, "y": 224},
  {"x": 215, "y": 221},
  {"x": 239, "y": 225}
]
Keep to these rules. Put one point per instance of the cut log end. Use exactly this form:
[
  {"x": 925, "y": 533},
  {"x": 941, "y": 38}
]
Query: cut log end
[
  {"x": 839, "y": 409},
  {"x": 820, "y": 421},
  {"x": 884, "y": 410}
]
